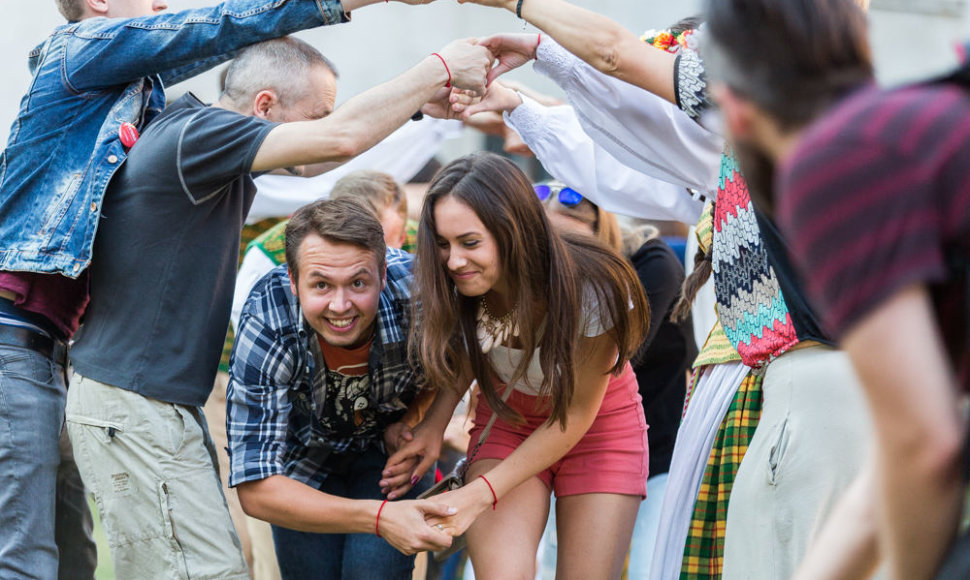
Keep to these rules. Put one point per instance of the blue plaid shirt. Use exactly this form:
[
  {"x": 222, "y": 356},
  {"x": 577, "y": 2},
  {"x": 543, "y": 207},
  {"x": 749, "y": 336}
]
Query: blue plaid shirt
[{"x": 278, "y": 381}]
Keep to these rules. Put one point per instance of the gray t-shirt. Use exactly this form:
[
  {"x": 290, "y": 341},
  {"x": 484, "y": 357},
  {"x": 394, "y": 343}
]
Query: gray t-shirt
[{"x": 166, "y": 253}]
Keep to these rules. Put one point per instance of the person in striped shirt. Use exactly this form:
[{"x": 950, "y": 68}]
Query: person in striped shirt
[{"x": 872, "y": 191}]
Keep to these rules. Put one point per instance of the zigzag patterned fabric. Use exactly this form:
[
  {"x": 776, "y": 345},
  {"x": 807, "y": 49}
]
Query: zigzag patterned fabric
[{"x": 750, "y": 304}]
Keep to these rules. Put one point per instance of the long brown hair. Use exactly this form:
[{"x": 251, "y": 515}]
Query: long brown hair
[{"x": 551, "y": 276}]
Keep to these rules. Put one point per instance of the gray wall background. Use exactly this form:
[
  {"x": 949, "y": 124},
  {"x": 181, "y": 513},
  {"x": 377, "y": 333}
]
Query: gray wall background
[{"x": 911, "y": 38}]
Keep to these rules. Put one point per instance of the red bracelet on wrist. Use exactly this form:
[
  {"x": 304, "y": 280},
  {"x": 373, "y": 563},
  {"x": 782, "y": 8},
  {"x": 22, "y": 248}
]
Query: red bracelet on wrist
[
  {"x": 491, "y": 489},
  {"x": 377, "y": 524},
  {"x": 447, "y": 70}
]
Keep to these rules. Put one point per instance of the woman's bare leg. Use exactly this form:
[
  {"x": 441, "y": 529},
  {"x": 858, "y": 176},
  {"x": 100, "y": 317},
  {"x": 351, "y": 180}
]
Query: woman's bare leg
[
  {"x": 502, "y": 544},
  {"x": 594, "y": 532}
]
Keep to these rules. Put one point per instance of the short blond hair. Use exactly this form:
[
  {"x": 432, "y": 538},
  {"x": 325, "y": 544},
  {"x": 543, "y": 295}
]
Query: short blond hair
[{"x": 375, "y": 188}]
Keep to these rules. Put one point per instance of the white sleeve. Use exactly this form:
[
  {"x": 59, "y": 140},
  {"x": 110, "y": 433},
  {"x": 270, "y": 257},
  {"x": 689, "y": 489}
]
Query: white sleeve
[
  {"x": 254, "y": 266},
  {"x": 571, "y": 156},
  {"x": 401, "y": 155},
  {"x": 637, "y": 127}
]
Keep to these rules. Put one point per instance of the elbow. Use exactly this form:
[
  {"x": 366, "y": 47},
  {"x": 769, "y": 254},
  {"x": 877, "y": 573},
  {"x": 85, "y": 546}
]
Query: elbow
[
  {"x": 934, "y": 452},
  {"x": 344, "y": 146},
  {"x": 606, "y": 52},
  {"x": 249, "y": 501},
  {"x": 943, "y": 455}
]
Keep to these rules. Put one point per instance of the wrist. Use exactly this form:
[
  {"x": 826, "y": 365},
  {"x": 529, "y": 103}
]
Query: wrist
[
  {"x": 350, "y": 5},
  {"x": 484, "y": 498},
  {"x": 443, "y": 65},
  {"x": 512, "y": 100},
  {"x": 377, "y": 518}
]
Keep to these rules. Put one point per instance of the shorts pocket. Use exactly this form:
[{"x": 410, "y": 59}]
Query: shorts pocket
[
  {"x": 170, "y": 529},
  {"x": 776, "y": 455},
  {"x": 101, "y": 430}
]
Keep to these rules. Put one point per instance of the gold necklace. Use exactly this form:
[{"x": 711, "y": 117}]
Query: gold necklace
[{"x": 493, "y": 330}]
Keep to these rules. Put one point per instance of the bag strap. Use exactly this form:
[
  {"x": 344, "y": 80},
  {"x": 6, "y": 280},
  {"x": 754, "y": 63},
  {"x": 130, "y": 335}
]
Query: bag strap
[{"x": 491, "y": 422}]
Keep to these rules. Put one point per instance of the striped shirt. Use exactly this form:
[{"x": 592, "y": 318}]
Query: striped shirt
[
  {"x": 877, "y": 197},
  {"x": 278, "y": 388}
]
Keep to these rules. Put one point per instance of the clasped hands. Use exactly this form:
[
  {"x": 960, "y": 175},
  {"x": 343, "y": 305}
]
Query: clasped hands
[
  {"x": 413, "y": 451},
  {"x": 473, "y": 92}
]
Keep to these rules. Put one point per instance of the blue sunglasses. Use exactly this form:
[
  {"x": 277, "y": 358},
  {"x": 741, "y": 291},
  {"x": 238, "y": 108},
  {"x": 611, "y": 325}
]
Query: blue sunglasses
[{"x": 568, "y": 196}]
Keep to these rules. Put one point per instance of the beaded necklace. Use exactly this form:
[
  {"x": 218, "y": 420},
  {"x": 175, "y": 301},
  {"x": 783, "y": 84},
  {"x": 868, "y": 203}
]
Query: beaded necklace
[{"x": 493, "y": 330}]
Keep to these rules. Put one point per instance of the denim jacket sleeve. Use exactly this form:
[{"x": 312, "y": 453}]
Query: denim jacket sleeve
[{"x": 107, "y": 52}]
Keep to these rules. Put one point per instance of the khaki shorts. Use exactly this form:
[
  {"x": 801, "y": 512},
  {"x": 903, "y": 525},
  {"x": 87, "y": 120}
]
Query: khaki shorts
[{"x": 151, "y": 468}]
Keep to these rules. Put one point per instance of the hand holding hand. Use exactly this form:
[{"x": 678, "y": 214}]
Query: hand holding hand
[
  {"x": 469, "y": 502},
  {"x": 403, "y": 525},
  {"x": 439, "y": 106},
  {"x": 396, "y": 435},
  {"x": 468, "y": 63},
  {"x": 405, "y": 467},
  {"x": 511, "y": 50},
  {"x": 498, "y": 98}
]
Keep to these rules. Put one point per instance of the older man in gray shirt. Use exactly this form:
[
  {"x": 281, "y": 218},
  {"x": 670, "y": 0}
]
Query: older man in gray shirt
[{"x": 161, "y": 289}]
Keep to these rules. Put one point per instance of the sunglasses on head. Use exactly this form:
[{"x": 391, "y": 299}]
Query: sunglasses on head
[{"x": 568, "y": 196}]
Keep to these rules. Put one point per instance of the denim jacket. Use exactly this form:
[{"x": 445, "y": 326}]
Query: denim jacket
[{"x": 89, "y": 77}]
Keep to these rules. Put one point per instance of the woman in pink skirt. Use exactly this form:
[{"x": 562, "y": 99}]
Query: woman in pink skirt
[{"x": 546, "y": 324}]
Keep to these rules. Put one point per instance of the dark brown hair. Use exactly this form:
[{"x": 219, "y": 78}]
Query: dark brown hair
[
  {"x": 344, "y": 220},
  {"x": 793, "y": 59},
  {"x": 550, "y": 275},
  {"x": 703, "y": 268}
]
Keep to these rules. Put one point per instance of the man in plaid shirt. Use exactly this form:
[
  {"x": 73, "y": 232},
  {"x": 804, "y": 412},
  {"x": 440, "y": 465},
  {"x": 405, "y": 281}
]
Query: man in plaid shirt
[{"x": 320, "y": 390}]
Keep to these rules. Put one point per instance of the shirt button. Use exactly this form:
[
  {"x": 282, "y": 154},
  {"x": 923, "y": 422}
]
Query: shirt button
[
  {"x": 94, "y": 206},
  {"x": 112, "y": 159},
  {"x": 77, "y": 267}
]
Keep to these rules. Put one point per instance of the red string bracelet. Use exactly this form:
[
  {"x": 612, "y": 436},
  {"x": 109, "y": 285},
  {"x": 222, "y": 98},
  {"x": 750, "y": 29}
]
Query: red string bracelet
[
  {"x": 491, "y": 489},
  {"x": 447, "y": 70},
  {"x": 538, "y": 42},
  {"x": 377, "y": 524}
]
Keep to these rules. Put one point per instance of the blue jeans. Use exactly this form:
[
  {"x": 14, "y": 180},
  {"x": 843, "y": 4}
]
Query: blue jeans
[
  {"x": 43, "y": 508},
  {"x": 308, "y": 556}
]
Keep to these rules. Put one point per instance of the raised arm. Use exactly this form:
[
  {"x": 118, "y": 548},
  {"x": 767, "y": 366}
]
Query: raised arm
[
  {"x": 401, "y": 155},
  {"x": 369, "y": 117},
  {"x": 639, "y": 129},
  {"x": 599, "y": 41},
  {"x": 112, "y": 51},
  {"x": 557, "y": 138}
]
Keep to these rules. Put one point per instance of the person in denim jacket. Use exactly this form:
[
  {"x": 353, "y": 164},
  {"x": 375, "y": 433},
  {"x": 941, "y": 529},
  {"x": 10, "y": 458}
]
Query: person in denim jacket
[{"x": 98, "y": 77}]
